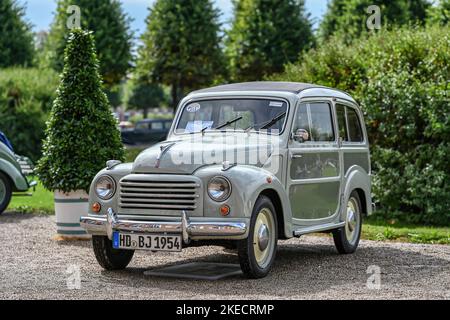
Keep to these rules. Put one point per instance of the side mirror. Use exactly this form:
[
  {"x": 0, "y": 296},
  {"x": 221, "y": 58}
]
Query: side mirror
[{"x": 301, "y": 135}]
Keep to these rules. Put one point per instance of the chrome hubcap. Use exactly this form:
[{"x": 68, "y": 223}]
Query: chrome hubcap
[
  {"x": 264, "y": 237},
  {"x": 352, "y": 221}
]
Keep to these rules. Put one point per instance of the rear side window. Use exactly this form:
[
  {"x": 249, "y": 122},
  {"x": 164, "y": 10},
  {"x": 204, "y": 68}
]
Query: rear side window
[
  {"x": 354, "y": 126},
  {"x": 350, "y": 129},
  {"x": 342, "y": 123}
]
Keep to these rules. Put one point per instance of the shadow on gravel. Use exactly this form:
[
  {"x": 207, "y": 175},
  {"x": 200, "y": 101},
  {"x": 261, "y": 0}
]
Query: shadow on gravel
[
  {"x": 302, "y": 268},
  {"x": 15, "y": 217}
]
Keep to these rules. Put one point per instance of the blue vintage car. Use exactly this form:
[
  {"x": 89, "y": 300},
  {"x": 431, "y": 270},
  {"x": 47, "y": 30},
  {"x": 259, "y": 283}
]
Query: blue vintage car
[{"x": 13, "y": 172}]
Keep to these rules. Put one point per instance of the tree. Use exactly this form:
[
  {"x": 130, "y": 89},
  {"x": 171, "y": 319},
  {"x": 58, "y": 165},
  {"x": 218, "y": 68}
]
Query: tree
[
  {"x": 265, "y": 35},
  {"x": 348, "y": 18},
  {"x": 16, "y": 39},
  {"x": 81, "y": 132},
  {"x": 181, "y": 46},
  {"x": 113, "y": 38},
  {"x": 440, "y": 14},
  {"x": 144, "y": 96}
]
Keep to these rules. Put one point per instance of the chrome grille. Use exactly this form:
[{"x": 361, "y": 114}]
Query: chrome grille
[{"x": 155, "y": 194}]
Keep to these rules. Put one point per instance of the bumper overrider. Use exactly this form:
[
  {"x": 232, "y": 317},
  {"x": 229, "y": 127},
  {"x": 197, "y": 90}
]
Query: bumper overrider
[{"x": 106, "y": 225}]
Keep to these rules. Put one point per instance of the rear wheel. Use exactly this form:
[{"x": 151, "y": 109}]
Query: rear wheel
[
  {"x": 257, "y": 252},
  {"x": 347, "y": 238},
  {"x": 108, "y": 257},
  {"x": 5, "y": 192}
]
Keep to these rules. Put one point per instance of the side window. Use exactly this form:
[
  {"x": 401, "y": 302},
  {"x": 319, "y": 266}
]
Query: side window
[
  {"x": 167, "y": 125},
  {"x": 342, "y": 123},
  {"x": 321, "y": 122},
  {"x": 157, "y": 125},
  {"x": 354, "y": 126},
  {"x": 142, "y": 126},
  {"x": 301, "y": 119}
]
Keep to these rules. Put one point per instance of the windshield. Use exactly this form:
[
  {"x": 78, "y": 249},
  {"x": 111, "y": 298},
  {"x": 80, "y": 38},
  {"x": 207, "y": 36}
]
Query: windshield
[{"x": 233, "y": 114}]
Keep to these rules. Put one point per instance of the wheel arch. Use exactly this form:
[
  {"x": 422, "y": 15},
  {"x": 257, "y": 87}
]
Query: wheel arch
[
  {"x": 362, "y": 200},
  {"x": 273, "y": 195},
  {"x": 359, "y": 181}
]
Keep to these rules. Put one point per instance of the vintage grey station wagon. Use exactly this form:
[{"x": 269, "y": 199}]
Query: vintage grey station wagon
[{"x": 244, "y": 165}]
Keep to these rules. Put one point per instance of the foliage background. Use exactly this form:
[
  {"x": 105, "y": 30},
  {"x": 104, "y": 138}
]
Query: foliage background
[
  {"x": 401, "y": 79},
  {"x": 26, "y": 97},
  {"x": 113, "y": 37}
]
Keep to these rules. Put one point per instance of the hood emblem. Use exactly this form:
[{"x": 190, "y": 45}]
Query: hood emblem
[{"x": 163, "y": 150}]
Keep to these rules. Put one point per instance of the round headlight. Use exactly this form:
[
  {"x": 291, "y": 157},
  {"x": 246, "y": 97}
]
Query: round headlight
[
  {"x": 219, "y": 189},
  {"x": 105, "y": 187}
]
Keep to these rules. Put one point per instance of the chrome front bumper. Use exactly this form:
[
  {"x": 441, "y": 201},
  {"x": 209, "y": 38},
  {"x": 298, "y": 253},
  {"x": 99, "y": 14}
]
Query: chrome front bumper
[{"x": 188, "y": 229}]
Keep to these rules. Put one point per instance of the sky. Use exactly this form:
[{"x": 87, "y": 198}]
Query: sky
[{"x": 40, "y": 12}]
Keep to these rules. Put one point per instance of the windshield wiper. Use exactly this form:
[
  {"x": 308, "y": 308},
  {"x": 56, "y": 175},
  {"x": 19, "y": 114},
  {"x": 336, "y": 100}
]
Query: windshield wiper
[
  {"x": 267, "y": 124},
  {"x": 226, "y": 124}
]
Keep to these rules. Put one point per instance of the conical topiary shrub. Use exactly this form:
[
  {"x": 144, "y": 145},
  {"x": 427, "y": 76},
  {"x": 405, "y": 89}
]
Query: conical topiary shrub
[{"x": 81, "y": 134}]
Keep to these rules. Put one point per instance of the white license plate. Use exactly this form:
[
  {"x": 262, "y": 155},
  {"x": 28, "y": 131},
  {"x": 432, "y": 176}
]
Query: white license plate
[{"x": 146, "y": 242}]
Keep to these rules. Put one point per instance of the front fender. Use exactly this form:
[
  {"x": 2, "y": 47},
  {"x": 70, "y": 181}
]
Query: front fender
[
  {"x": 18, "y": 180},
  {"x": 248, "y": 182}
]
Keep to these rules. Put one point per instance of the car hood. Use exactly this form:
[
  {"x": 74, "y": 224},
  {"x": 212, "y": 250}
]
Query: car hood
[{"x": 186, "y": 155}]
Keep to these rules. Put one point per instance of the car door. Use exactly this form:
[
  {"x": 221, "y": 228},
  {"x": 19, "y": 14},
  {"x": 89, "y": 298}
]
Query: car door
[
  {"x": 313, "y": 177},
  {"x": 354, "y": 146}
]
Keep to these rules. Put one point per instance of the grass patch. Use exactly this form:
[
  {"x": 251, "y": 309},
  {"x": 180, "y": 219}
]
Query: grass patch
[
  {"x": 381, "y": 230},
  {"x": 40, "y": 202}
]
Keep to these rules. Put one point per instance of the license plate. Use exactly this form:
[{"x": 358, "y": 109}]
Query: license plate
[{"x": 146, "y": 242}]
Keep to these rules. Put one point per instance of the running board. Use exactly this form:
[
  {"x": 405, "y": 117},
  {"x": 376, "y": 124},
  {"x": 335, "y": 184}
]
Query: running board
[{"x": 320, "y": 228}]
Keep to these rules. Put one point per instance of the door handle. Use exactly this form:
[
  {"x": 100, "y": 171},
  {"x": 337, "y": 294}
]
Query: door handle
[{"x": 296, "y": 156}]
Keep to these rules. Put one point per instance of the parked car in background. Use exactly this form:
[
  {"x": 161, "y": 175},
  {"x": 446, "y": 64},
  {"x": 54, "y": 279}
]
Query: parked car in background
[
  {"x": 13, "y": 171},
  {"x": 275, "y": 160},
  {"x": 125, "y": 125},
  {"x": 146, "y": 132}
]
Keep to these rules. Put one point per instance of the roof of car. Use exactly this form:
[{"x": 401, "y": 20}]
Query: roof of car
[
  {"x": 293, "y": 87},
  {"x": 306, "y": 89}
]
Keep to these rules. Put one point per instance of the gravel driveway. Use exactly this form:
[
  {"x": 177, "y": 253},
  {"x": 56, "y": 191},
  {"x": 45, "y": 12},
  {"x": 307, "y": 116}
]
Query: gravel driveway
[{"x": 34, "y": 266}]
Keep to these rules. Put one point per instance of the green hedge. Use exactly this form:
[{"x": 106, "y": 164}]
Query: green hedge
[
  {"x": 401, "y": 79},
  {"x": 36, "y": 84},
  {"x": 26, "y": 96}
]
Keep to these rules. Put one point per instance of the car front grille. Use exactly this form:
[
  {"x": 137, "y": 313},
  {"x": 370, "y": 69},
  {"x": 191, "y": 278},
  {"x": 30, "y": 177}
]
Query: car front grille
[{"x": 144, "y": 192}]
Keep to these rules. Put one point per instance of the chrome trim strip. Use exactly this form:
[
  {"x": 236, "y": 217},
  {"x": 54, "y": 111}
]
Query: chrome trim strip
[
  {"x": 105, "y": 225},
  {"x": 329, "y": 226}
]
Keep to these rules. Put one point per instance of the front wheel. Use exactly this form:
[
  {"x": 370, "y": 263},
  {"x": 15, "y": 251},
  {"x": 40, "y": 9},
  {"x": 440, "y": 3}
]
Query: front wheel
[
  {"x": 257, "y": 252},
  {"x": 108, "y": 257},
  {"x": 5, "y": 192},
  {"x": 347, "y": 238}
]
